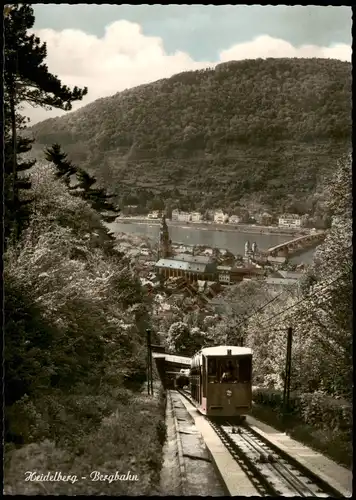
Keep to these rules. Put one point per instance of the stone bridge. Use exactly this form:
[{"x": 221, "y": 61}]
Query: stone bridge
[{"x": 295, "y": 245}]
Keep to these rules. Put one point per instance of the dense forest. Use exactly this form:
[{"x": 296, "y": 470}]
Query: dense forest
[{"x": 266, "y": 131}]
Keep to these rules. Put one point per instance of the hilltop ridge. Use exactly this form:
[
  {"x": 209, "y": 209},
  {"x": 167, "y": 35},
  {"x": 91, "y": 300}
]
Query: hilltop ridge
[{"x": 263, "y": 130}]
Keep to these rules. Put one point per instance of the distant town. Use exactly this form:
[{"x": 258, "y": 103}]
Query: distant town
[
  {"x": 201, "y": 272},
  {"x": 283, "y": 221}
]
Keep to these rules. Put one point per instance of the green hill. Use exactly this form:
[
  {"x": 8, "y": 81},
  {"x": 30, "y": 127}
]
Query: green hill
[{"x": 262, "y": 130}]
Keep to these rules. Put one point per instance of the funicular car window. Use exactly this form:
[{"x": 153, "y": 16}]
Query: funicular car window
[
  {"x": 228, "y": 371},
  {"x": 212, "y": 373},
  {"x": 245, "y": 369}
]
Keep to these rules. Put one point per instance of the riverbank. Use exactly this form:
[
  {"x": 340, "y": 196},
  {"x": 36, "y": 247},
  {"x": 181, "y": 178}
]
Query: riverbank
[
  {"x": 211, "y": 226},
  {"x": 207, "y": 235}
]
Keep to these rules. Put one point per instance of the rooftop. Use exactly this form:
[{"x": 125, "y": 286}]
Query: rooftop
[
  {"x": 179, "y": 264},
  {"x": 289, "y": 216},
  {"x": 290, "y": 274},
  {"x": 276, "y": 259},
  {"x": 171, "y": 358},
  {"x": 201, "y": 259},
  {"x": 222, "y": 350},
  {"x": 281, "y": 281}
]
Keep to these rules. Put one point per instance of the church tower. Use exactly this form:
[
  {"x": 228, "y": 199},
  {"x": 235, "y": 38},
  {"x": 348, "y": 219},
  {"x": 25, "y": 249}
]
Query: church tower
[{"x": 165, "y": 244}]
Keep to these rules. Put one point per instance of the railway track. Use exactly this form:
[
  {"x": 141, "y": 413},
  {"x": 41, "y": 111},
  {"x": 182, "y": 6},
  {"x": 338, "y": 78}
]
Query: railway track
[{"x": 272, "y": 471}]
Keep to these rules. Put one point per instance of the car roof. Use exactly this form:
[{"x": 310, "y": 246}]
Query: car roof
[{"x": 222, "y": 350}]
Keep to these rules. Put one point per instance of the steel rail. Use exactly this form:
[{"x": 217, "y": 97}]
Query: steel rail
[
  {"x": 284, "y": 456},
  {"x": 274, "y": 464},
  {"x": 271, "y": 469}
]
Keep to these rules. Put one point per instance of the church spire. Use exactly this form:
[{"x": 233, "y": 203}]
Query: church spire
[{"x": 165, "y": 249}]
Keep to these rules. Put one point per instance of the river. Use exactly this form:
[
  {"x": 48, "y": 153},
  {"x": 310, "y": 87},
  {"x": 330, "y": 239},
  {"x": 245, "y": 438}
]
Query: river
[{"x": 234, "y": 241}]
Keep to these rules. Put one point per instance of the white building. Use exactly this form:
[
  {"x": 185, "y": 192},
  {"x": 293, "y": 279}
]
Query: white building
[
  {"x": 234, "y": 219},
  {"x": 220, "y": 217},
  {"x": 289, "y": 220},
  {"x": 224, "y": 273},
  {"x": 154, "y": 215},
  {"x": 276, "y": 260},
  {"x": 175, "y": 214},
  {"x": 209, "y": 215},
  {"x": 284, "y": 278},
  {"x": 196, "y": 217},
  {"x": 184, "y": 216},
  {"x": 180, "y": 216}
]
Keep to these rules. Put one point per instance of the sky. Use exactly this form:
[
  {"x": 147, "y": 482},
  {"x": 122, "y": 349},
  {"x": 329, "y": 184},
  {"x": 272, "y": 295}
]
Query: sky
[{"x": 109, "y": 48}]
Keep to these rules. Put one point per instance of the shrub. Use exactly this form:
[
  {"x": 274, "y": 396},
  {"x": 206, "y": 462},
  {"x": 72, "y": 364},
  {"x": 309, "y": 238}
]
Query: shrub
[
  {"x": 128, "y": 438},
  {"x": 323, "y": 411},
  {"x": 316, "y": 409}
]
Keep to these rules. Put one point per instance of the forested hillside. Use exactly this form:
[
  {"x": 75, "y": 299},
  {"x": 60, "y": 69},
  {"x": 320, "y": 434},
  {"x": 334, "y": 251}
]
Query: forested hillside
[{"x": 262, "y": 130}]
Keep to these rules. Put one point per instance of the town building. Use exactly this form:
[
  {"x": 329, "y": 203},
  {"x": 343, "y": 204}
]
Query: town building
[
  {"x": 190, "y": 267},
  {"x": 254, "y": 248},
  {"x": 248, "y": 249},
  {"x": 130, "y": 209},
  {"x": 228, "y": 275},
  {"x": 220, "y": 217},
  {"x": 283, "y": 278},
  {"x": 175, "y": 214},
  {"x": 224, "y": 274},
  {"x": 276, "y": 259},
  {"x": 196, "y": 217},
  {"x": 266, "y": 219},
  {"x": 178, "y": 215},
  {"x": 234, "y": 219},
  {"x": 184, "y": 216},
  {"x": 263, "y": 218},
  {"x": 155, "y": 214},
  {"x": 165, "y": 243},
  {"x": 289, "y": 220},
  {"x": 209, "y": 215},
  {"x": 193, "y": 268}
]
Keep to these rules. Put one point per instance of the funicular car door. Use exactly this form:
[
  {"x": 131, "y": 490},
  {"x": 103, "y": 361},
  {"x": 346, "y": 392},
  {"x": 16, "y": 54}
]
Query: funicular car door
[
  {"x": 200, "y": 383},
  {"x": 204, "y": 389}
]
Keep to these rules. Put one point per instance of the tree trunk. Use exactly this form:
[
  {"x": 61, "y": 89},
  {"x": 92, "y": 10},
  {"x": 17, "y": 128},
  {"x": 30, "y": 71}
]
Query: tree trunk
[{"x": 14, "y": 142}]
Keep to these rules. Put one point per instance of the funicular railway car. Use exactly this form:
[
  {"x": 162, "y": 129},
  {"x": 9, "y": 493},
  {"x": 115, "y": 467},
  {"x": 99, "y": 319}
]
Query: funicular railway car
[{"x": 220, "y": 381}]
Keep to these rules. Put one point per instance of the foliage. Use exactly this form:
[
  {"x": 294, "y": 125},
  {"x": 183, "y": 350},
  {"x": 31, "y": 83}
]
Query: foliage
[
  {"x": 64, "y": 167},
  {"x": 75, "y": 312},
  {"x": 319, "y": 311},
  {"x": 184, "y": 340},
  {"x": 69, "y": 314},
  {"x": 316, "y": 409},
  {"x": 16, "y": 187},
  {"x": 25, "y": 67},
  {"x": 97, "y": 197},
  {"x": 315, "y": 419},
  {"x": 235, "y": 305},
  {"x": 255, "y": 130},
  {"x": 75, "y": 317},
  {"x": 119, "y": 450},
  {"x": 26, "y": 80},
  {"x": 28, "y": 335}
]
